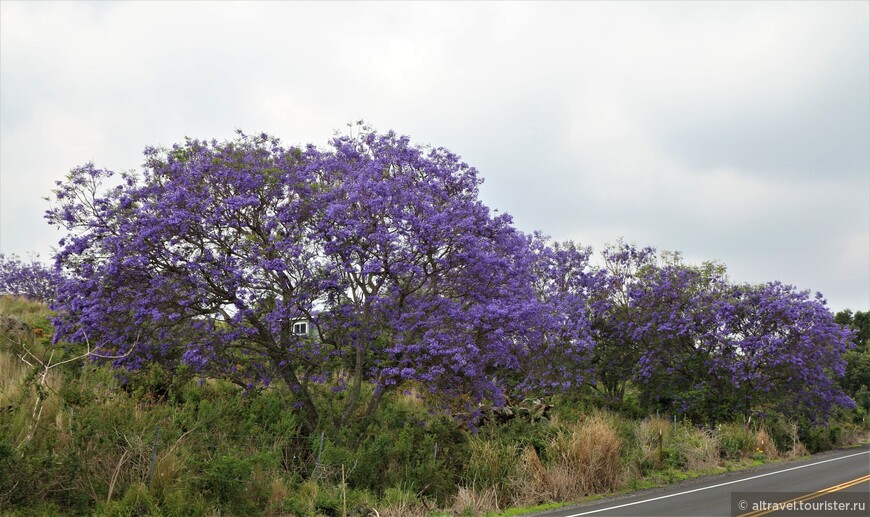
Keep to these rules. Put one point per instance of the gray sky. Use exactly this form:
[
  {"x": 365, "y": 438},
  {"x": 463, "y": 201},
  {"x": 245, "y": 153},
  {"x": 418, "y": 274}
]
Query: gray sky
[{"x": 736, "y": 131}]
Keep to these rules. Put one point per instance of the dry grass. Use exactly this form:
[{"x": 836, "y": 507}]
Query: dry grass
[
  {"x": 649, "y": 432},
  {"x": 16, "y": 316},
  {"x": 493, "y": 465},
  {"x": 278, "y": 491},
  {"x": 585, "y": 459},
  {"x": 169, "y": 468},
  {"x": 698, "y": 449},
  {"x": 590, "y": 452},
  {"x": 117, "y": 467},
  {"x": 21, "y": 398},
  {"x": 23, "y": 309},
  {"x": 534, "y": 485},
  {"x": 765, "y": 444},
  {"x": 475, "y": 502},
  {"x": 12, "y": 373},
  {"x": 798, "y": 450},
  {"x": 651, "y": 428},
  {"x": 23, "y": 344}
]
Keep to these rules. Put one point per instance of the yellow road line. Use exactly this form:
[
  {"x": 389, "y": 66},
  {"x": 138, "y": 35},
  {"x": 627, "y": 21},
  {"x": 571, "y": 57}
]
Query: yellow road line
[{"x": 809, "y": 497}]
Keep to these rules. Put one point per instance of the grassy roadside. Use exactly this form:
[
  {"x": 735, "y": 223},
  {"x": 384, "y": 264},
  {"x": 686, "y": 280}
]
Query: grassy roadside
[
  {"x": 82, "y": 440},
  {"x": 665, "y": 479}
]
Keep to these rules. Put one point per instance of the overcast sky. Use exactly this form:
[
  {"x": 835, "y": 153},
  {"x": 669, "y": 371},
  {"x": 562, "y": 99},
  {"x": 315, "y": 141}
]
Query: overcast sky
[{"x": 735, "y": 131}]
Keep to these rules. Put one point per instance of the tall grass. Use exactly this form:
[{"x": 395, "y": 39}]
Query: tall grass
[
  {"x": 697, "y": 449},
  {"x": 735, "y": 440},
  {"x": 586, "y": 458},
  {"x": 12, "y": 373},
  {"x": 491, "y": 471},
  {"x": 651, "y": 434},
  {"x": 764, "y": 444},
  {"x": 583, "y": 458}
]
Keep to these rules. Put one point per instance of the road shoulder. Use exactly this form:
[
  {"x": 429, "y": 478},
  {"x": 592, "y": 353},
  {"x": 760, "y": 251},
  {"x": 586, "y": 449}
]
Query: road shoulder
[{"x": 699, "y": 482}]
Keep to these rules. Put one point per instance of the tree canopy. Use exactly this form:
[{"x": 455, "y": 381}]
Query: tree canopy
[{"x": 210, "y": 257}]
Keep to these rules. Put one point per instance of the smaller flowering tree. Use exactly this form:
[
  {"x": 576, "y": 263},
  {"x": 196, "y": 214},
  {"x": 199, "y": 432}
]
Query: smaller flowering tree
[
  {"x": 713, "y": 350},
  {"x": 788, "y": 351},
  {"x": 563, "y": 283},
  {"x": 31, "y": 278},
  {"x": 613, "y": 315},
  {"x": 680, "y": 368}
]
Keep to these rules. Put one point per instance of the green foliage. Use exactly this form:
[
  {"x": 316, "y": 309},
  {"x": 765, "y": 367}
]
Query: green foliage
[
  {"x": 860, "y": 323},
  {"x": 221, "y": 450},
  {"x": 735, "y": 440},
  {"x": 226, "y": 479},
  {"x": 136, "y": 502},
  {"x": 523, "y": 433},
  {"x": 402, "y": 444},
  {"x": 856, "y": 380},
  {"x": 862, "y": 399},
  {"x": 817, "y": 439},
  {"x": 857, "y": 371}
]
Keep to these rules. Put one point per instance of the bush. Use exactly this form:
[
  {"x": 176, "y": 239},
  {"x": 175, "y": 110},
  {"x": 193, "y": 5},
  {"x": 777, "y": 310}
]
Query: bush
[
  {"x": 735, "y": 441},
  {"x": 137, "y": 501},
  {"x": 225, "y": 478},
  {"x": 402, "y": 445}
]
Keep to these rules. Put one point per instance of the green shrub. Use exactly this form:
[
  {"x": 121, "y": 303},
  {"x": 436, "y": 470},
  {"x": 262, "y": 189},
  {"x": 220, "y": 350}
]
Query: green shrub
[
  {"x": 735, "y": 441},
  {"x": 817, "y": 438},
  {"x": 136, "y": 502},
  {"x": 225, "y": 479},
  {"x": 402, "y": 444}
]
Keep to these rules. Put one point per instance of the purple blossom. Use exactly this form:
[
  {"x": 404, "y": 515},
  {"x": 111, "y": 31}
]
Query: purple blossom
[{"x": 381, "y": 247}]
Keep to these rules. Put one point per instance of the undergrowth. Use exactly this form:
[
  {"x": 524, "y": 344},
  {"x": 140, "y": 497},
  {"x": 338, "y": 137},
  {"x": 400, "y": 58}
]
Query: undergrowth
[{"x": 80, "y": 439}]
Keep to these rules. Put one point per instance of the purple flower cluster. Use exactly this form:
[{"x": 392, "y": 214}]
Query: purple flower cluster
[{"x": 31, "y": 279}]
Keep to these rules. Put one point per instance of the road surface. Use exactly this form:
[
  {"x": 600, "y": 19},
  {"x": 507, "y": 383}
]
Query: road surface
[{"x": 826, "y": 477}]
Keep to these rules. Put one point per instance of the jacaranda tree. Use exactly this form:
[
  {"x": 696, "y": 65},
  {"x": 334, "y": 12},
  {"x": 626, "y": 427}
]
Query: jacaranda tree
[
  {"x": 614, "y": 315},
  {"x": 563, "y": 283},
  {"x": 678, "y": 327},
  {"x": 216, "y": 253},
  {"x": 713, "y": 350},
  {"x": 789, "y": 351},
  {"x": 28, "y": 278}
]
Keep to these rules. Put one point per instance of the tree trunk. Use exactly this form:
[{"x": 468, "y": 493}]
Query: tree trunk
[
  {"x": 353, "y": 399},
  {"x": 310, "y": 415}
]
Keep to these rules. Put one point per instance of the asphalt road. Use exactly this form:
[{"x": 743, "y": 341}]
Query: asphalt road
[{"x": 835, "y": 476}]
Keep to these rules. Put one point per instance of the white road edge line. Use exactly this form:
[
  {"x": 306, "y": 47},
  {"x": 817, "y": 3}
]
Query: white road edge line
[{"x": 715, "y": 486}]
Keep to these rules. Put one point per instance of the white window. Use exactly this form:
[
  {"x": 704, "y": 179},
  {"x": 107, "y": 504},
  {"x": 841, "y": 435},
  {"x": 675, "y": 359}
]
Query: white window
[{"x": 300, "y": 329}]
